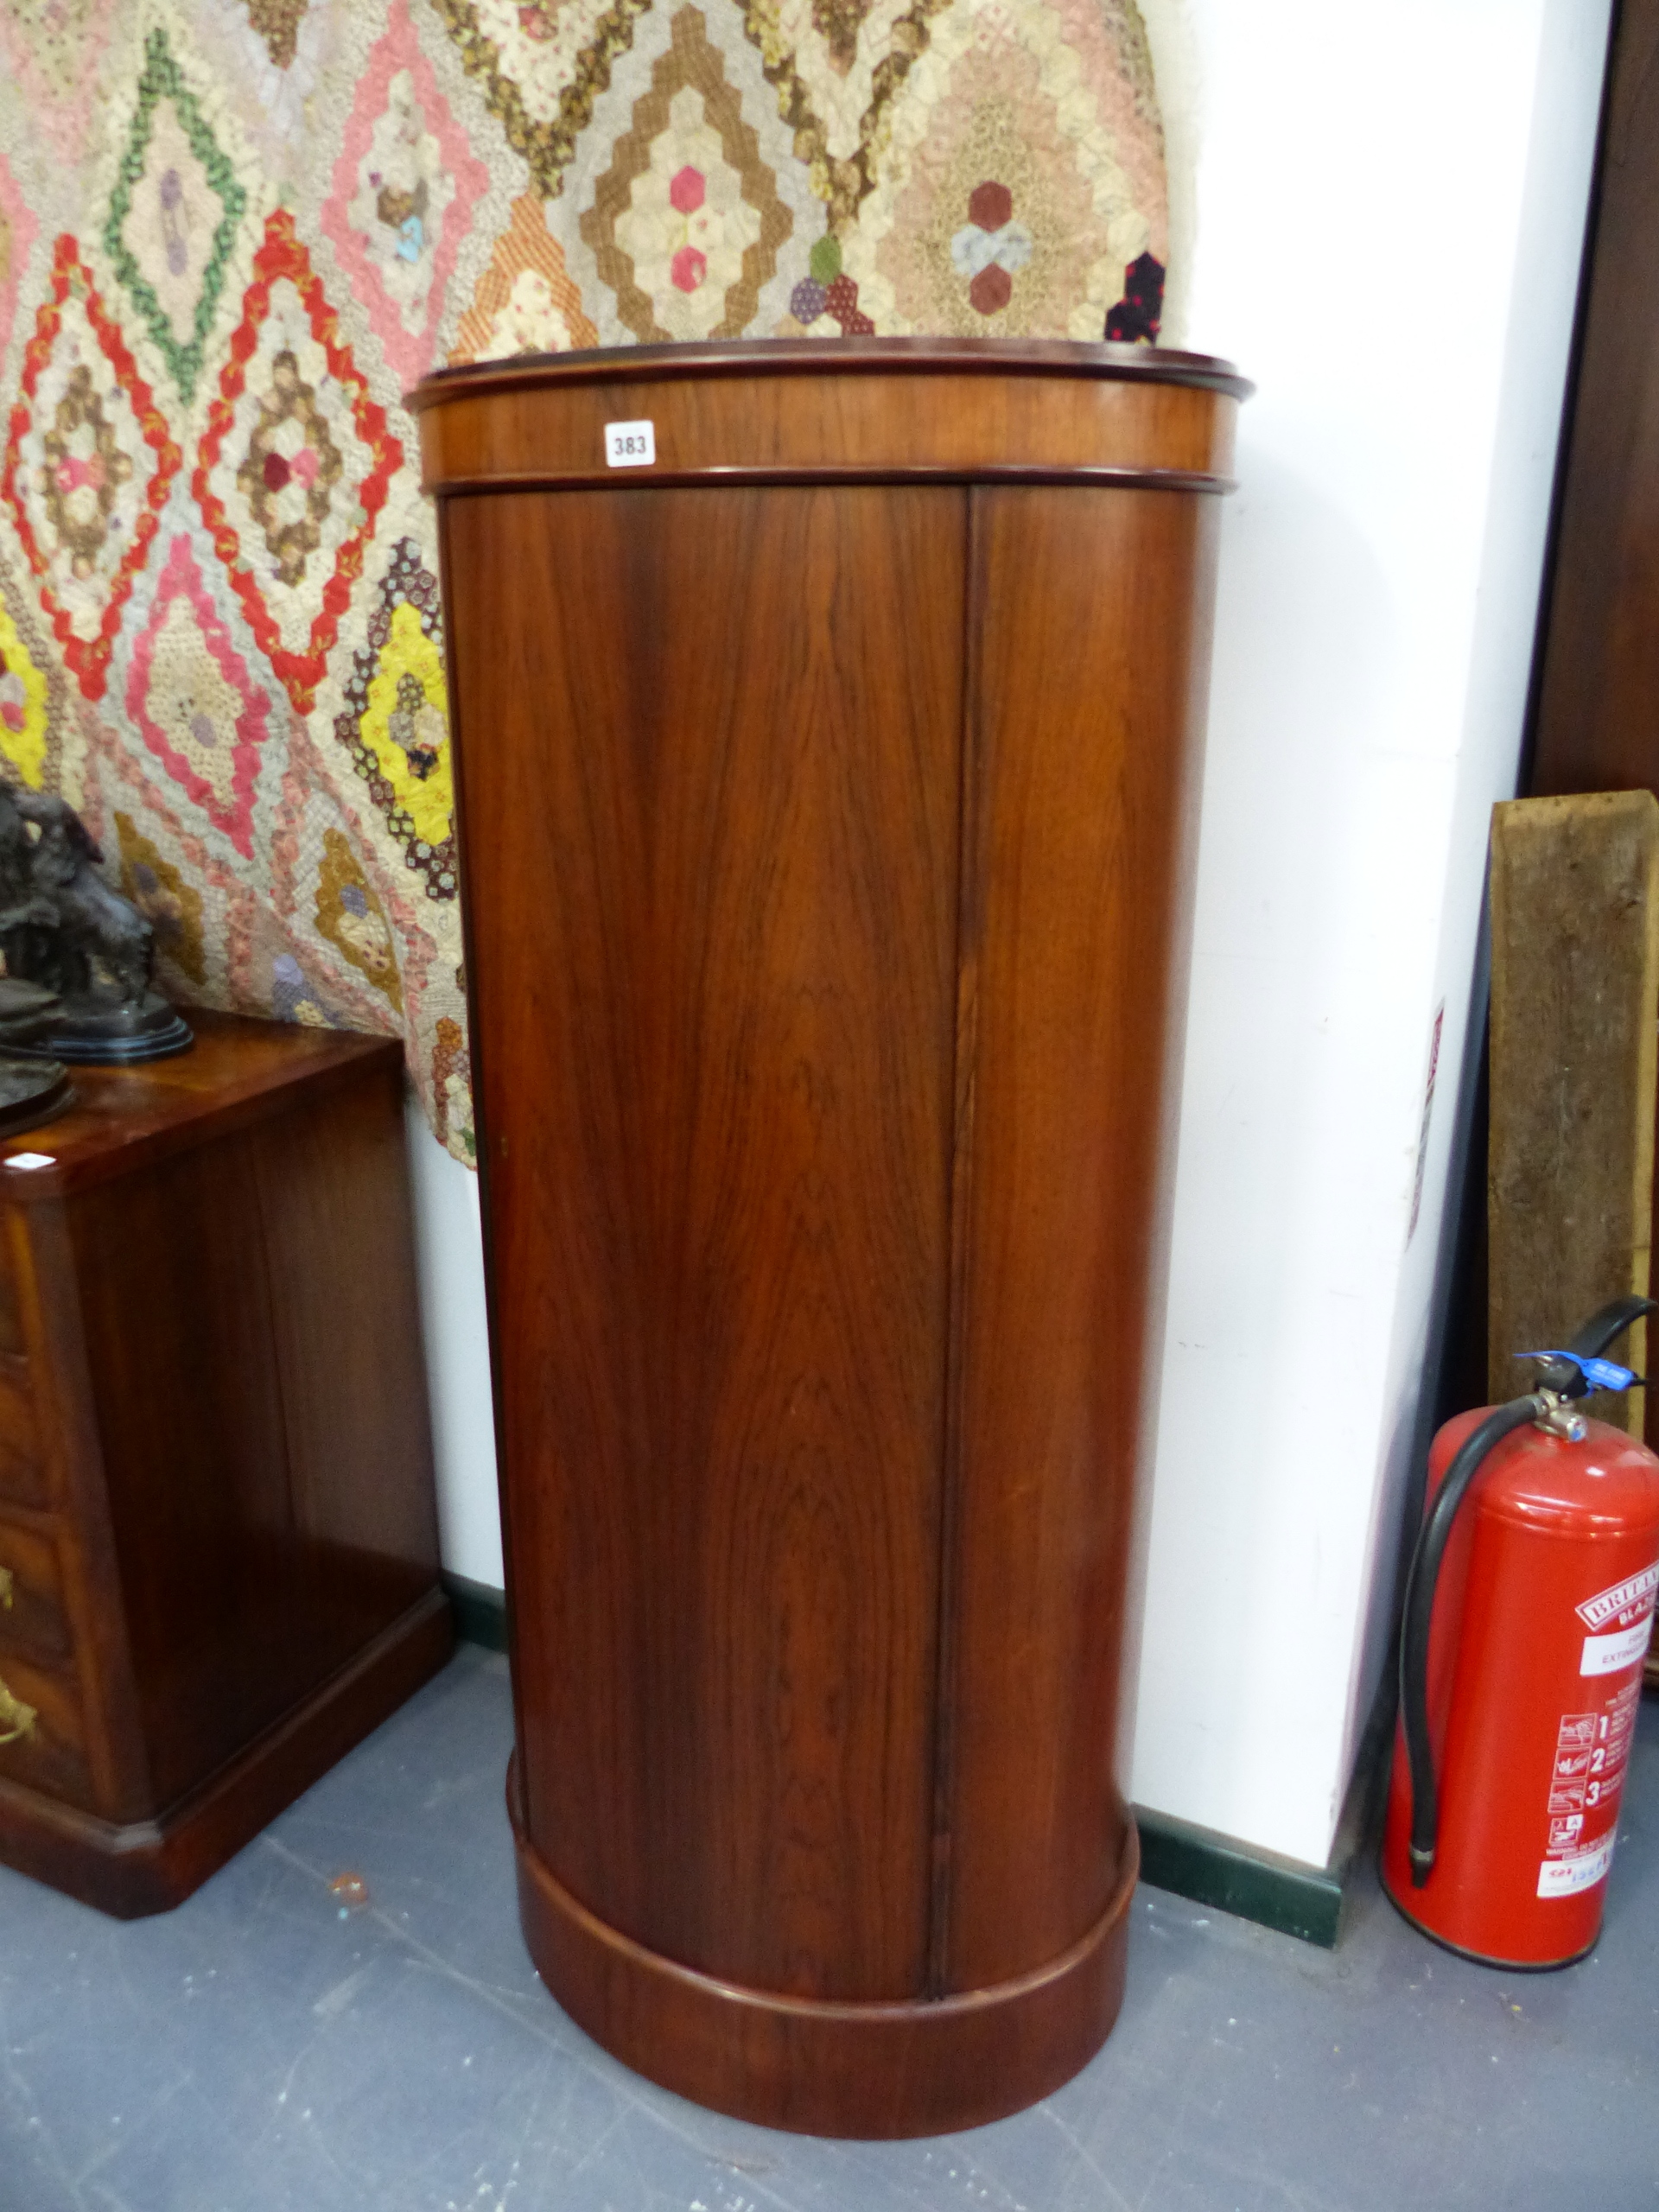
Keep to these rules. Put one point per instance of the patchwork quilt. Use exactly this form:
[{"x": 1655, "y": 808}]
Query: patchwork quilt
[{"x": 233, "y": 234}]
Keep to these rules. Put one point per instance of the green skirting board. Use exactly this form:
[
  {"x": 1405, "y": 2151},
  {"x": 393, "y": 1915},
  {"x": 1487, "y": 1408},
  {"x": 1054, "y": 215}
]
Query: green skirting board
[
  {"x": 481, "y": 1612},
  {"x": 1193, "y": 1862}
]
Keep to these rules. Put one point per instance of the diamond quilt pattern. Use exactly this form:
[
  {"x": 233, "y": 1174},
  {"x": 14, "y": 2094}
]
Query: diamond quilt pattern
[{"x": 234, "y": 232}]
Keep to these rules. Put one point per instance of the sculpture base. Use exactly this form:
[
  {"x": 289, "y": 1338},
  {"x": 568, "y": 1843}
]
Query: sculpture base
[
  {"x": 32, "y": 1091},
  {"x": 88, "y": 1033},
  {"x": 871, "y": 2070}
]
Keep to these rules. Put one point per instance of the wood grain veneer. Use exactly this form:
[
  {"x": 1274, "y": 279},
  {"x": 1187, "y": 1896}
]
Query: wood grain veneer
[
  {"x": 825, "y": 795},
  {"x": 217, "y": 1518}
]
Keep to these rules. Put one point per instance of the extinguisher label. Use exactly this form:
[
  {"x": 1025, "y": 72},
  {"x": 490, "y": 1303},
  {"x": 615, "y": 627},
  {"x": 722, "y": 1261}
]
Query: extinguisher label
[
  {"x": 1608, "y": 1655},
  {"x": 1622, "y": 1603},
  {"x": 1580, "y": 1870},
  {"x": 1592, "y": 1751}
]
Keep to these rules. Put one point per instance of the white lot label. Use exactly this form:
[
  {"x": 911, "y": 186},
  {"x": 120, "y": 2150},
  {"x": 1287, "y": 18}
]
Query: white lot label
[
  {"x": 33, "y": 1160},
  {"x": 1565, "y": 1877},
  {"x": 1606, "y": 1655},
  {"x": 630, "y": 445}
]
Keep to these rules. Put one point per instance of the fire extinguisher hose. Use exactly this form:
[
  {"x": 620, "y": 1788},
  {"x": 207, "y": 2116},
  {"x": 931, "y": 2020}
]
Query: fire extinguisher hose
[{"x": 1420, "y": 1585}]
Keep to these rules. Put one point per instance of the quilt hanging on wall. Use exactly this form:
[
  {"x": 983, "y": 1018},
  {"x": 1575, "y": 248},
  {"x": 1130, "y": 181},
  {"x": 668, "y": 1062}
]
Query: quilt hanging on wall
[{"x": 234, "y": 232}]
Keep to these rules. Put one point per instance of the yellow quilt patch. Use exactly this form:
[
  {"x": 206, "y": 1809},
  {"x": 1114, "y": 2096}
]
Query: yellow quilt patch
[
  {"x": 23, "y": 706},
  {"x": 406, "y": 725}
]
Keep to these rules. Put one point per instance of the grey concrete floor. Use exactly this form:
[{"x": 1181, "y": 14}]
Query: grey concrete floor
[{"x": 257, "y": 2051}]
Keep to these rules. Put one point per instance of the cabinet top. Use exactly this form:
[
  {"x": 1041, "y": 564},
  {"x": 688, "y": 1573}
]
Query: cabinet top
[
  {"x": 835, "y": 356},
  {"x": 238, "y": 1071},
  {"x": 811, "y": 408}
]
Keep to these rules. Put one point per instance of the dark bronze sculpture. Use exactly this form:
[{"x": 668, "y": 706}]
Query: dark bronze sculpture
[{"x": 63, "y": 931}]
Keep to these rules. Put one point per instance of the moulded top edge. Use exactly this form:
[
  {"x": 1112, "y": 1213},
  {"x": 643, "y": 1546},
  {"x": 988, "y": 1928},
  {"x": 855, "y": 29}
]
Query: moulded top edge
[{"x": 838, "y": 356}]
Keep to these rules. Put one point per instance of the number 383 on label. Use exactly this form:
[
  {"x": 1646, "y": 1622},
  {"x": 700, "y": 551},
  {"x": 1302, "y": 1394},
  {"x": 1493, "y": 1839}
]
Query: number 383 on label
[{"x": 630, "y": 445}]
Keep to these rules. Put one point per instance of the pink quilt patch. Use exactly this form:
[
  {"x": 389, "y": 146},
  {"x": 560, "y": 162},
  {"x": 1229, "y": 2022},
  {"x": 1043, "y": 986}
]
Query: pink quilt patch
[
  {"x": 190, "y": 693},
  {"x": 404, "y": 189}
]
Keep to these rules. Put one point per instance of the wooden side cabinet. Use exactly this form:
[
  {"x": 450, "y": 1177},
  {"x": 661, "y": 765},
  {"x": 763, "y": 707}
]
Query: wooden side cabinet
[
  {"x": 826, "y": 784},
  {"x": 218, "y": 1537}
]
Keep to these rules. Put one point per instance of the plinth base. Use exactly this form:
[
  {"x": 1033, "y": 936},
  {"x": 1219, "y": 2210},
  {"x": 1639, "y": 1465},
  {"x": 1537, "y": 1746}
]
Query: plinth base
[
  {"x": 31, "y": 1091},
  {"x": 819, "y": 2068},
  {"x": 89, "y": 1034},
  {"x": 149, "y": 1867}
]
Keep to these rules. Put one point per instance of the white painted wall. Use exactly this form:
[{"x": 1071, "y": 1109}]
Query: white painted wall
[
  {"x": 1378, "y": 214},
  {"x": 1385, "y": 224},
  {"x": 449, "y": 1256}
]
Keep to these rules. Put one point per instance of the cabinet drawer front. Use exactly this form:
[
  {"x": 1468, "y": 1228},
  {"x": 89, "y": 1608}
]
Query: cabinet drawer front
[
  {"x": 13, "y": 1341},
  {"x": 32, "y": 1621},
  {"x": 43, "y": 1735},
  {"x": 23, "y": 1468}
]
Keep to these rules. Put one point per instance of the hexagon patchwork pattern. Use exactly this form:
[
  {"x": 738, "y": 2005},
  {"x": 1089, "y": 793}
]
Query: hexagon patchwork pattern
[{"x": 234, "y": 232}]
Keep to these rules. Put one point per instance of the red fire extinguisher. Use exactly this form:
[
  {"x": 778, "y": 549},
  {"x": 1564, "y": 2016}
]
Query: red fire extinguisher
[{"x": 1529, "y": 1608}]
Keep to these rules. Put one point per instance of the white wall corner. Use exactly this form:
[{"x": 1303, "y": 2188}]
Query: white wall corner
[
  {"x": 1572, "y": 59},
  {"x": 1388, "y": 212},
  {"x": 449, "y": 1264}
]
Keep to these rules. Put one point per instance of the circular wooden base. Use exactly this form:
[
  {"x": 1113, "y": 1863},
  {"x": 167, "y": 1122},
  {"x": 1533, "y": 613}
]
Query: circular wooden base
[{"x": 818, "y": 2068}]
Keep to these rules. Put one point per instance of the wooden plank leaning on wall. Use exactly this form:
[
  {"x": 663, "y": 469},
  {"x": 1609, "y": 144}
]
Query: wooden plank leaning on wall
[
  {"x": 1594, "y": 729},
  {"x": 1575, "y": 998}
]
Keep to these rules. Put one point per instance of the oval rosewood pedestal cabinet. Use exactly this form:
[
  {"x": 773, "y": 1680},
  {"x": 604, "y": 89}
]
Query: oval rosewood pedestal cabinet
[{"x": 826, "y": 722}]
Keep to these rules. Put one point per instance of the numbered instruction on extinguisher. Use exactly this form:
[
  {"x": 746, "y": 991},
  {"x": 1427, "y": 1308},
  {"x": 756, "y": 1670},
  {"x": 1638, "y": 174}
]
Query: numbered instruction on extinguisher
[{"x": 1593, "y": 1746}]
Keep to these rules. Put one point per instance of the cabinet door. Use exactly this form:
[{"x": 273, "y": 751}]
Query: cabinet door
[
  {"x": 710, "y": 748},
  {"x": 1086, "y": 705}
]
